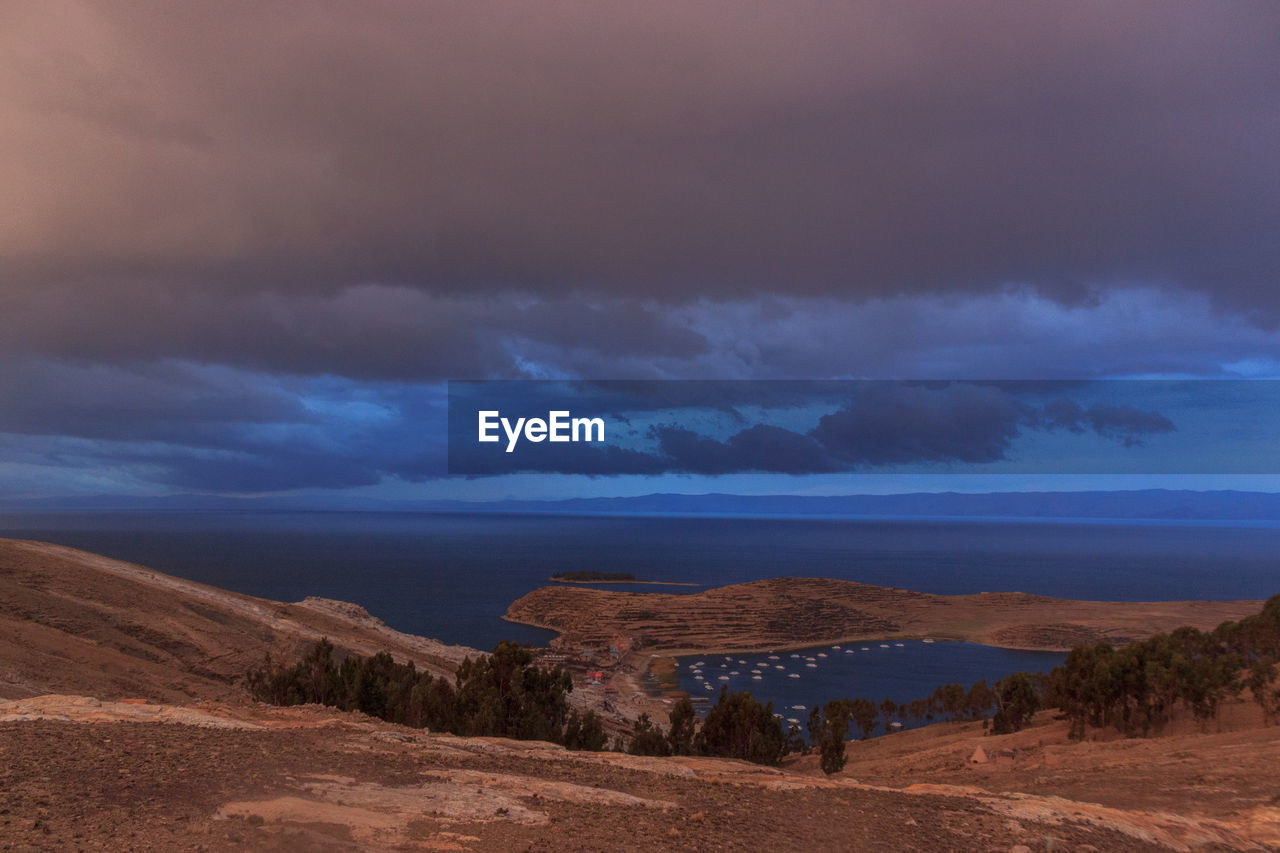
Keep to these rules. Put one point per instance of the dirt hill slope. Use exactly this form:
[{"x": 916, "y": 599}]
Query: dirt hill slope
[
  {"x": 75, "y": 622},
  {"x": 80, "y": 773}
]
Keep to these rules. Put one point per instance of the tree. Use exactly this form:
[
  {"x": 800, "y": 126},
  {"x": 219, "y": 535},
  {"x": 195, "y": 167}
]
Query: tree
[
  {"x": 864, "y": 715},
  {"x": 738, "y": 726},
  {"x": 584, "y": 731},
  {"x": 648, "y": 739},
  {"x": 828, "y": 729},
  {"x": 684, "y": 722},
  {"x": 979, "y": 700},
  {"x": 503, "y": 695},
  {"x": 1016, "y": 702},
  {"x": 1261, "y": 682}
]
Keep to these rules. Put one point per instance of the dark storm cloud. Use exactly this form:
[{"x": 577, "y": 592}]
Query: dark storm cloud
[
  {"x": 875, "y": 424},
  {"x": 369, "y": 331},
  {"x": 667, "y": 149},
  {"x": 1125, "y": 424},
  {"x": 896, "y": 424}
]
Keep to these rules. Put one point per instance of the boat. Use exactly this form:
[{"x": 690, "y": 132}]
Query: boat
[
  {"x": 724, "y": 678},
  {"x": 794, "y": 675},
  {"x": 757, "y": 678},
  {"x": 812, "y": 665}
]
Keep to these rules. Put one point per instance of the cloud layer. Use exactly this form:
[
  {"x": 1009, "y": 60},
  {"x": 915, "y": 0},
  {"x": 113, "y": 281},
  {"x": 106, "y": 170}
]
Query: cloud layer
[
  {"x": 644, "y": 150},
  {"x": 243, "y": 244}
]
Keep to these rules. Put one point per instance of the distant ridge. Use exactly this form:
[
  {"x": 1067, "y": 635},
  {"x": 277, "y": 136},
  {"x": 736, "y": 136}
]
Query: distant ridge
[{"x": 1156, "y": 504}]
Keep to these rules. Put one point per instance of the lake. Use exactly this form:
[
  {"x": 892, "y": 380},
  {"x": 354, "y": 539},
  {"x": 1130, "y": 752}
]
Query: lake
[{"x": 451, "y": 576}]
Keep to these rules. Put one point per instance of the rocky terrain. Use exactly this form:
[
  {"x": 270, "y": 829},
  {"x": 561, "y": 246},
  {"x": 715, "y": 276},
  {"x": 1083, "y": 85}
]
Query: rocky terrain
[
  {"x": 82, "y": 774},
  {"x": 785, "y": 613},
  {"x": 123, "y": 726}
]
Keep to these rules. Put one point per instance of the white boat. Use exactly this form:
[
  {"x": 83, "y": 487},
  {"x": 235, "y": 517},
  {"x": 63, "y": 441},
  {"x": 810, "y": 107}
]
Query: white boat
[
  {"x": 735, "y": 672},
  {"x": 810, "y": 658},
  {"x": 926, "y": 640},
  {"x": 697, "y": 678},
  {"x": 866, "y": 648},
  {"x": 898, "y": 645},
  {"x": 773, "y": 657},
  {"x": 795, "y": 656},
  {"x": 793, "y": 720},
  {"x": 757, "y": 678},
  {"x": 848, "y": 651},
  {"x": 884, "y": 645},
  {"x": 797, "y": 707},
  {"x": 724, "y": 678},
  {"x": 794, "y": 675},
  {"x": 755, "y": 672},
  {"x": 835, "y": 647},
  {"x": 812, "y": 665},
  {"x": 822, "y": 654}
]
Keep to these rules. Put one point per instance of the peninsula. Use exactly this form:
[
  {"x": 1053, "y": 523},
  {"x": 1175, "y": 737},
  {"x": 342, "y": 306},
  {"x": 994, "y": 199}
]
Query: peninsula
[{"x": 795, "y": 612}]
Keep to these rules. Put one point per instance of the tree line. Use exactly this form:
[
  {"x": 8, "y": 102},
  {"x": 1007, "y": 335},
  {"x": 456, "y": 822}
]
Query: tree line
[
  {"x": 499, "y": 695},
  {"x": 1133, "y": 688}
]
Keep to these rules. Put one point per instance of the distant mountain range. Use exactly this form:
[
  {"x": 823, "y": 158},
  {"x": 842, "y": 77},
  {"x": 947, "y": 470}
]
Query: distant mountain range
[{"x": 1146, "y": 504}]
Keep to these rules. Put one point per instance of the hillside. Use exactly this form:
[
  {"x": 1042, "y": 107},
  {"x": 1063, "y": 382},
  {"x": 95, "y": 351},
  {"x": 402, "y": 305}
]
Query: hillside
[
  {"x": 793, "y": 612},
  {"x": 142, "y": 739},
  {"x": 76, "y": 622}
]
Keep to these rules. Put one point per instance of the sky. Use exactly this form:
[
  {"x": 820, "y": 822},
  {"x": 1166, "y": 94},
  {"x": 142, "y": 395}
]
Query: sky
[{"x": 245, "y": 245}]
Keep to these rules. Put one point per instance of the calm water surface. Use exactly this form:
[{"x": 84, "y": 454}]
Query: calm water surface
[{"x": 452, "y": 576}]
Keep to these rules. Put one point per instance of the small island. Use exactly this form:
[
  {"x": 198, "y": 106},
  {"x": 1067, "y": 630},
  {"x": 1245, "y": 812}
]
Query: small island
[{"x": 588, "y": 576}]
